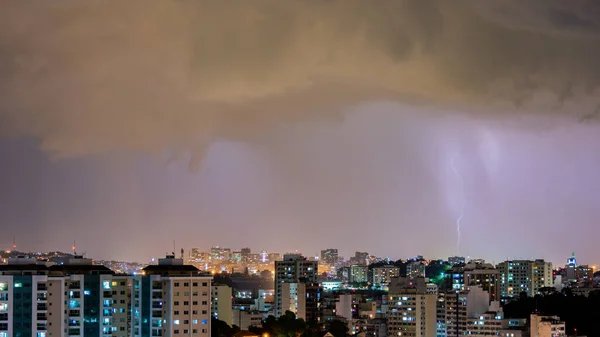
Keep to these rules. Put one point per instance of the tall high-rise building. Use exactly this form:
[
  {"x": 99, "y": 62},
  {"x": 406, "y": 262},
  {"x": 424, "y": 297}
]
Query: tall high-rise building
[
  {"x": 360, "y": 258},
  {"x": 294, "y": 269},
  {"x": 199, "y": 259},
  {"x": 383, "y": 275},
  {"x": 483, "y": 274},
  {"x": 358, "y": 273},
  {"x": 463, "y": 306},
  {"x": 412, "y": 309},
  {"x": 220, "y": 254},
  {"x": 577, "y": 273},
  {"x": 527, "y": 276},
  {"x": 415, "y": 269},
  {"x": 329, "y": 256},
  {"x": 303, "y": 299},
  {"x": 245, "y": 254},
  {"x": 76, "y": 298},
  {"x": 221, "y": 303},
  {"x": 171, "y": 299}
]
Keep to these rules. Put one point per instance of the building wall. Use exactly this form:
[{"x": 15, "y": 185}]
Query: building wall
[
  {"x": 221, "y": 303},
  {"x": 358, "y": 273},
  {"x": 382, "y": 276},
  {"x": 186, "y": 306},
  {"x": 245, "y": 319},
  {"x": 6, "y": 306},
  {"x": 56, "y": 306},
  {"x": 293, "y": 269},
  {"x": 412, "y": 313},
  {"x": 524, "y": 276},
  {"x": 121, "y": 317},
  {"x": 343, "y": 307},
  {"x": 546, "y": 326}
]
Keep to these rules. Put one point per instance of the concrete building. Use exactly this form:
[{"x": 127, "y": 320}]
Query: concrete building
[
  {"x": 343, "y": 306},
  {"x": 474, "y": 274},
  {"x": 221, "y": 303},
  {"x": 456, "y": 260},
  {"x": 485, "y": 324},
  {"x": 546, "y": 326},
  {"x": 527, "y": 276},
  {"x": 358, "y": 273},
  {"x": 465, "y": 306},
  {"x": 411, "y": 309},
  {"x": 264, "y": 302},
  {"x": 415, "y": 269},
  {"x": 171, "y": 299},
  {"x": 295, "y": 269},
  {"x": 329, "y": 256},
  {"x": 383, "y": 275},
  {"x": 73, "y": 299},
  {"x": 244, "y": 319},
  {"x": 78, "y": 298},
  {"x": 361, "y": 258},
  {"x": 303, "y": 299},
  {"x": 577, "y": 273}
]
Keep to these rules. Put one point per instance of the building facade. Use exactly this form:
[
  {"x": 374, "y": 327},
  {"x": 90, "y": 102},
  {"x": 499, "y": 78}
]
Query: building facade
[
  {"x": 412, "y": 310},
  {"x": 171, "y": 299},
  {"x": 517, "y": 276},
  {"x": 76, "y": 298},
  {"x": 329, "y": 256},
  {"x": 383, "y": 275},
  {"x": 221, "y": 303},
  {"x": 293, "y": 270}
]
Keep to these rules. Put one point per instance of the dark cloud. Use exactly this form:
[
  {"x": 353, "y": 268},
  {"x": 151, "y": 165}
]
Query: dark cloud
[{"x": 88, "y": 77}]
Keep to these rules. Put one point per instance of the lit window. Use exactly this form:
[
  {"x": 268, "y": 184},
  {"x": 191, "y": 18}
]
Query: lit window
[
  {"x": 18, "y": 285},
  {"x": 176, "y": 322}
]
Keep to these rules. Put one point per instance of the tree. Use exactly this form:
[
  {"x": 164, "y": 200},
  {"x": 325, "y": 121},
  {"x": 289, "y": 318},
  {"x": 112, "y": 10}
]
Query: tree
[
  {"x": 221, "y": 329},
  {"x": 338, "y": 328},
  {"x": 285, "y": 326}
]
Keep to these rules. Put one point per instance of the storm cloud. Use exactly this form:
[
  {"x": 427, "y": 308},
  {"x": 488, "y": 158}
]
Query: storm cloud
[{"x": 153, "y": 76}]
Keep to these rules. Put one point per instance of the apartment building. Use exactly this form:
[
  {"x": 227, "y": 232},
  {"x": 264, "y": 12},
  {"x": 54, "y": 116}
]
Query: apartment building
[{"x": 171, "y": 299}]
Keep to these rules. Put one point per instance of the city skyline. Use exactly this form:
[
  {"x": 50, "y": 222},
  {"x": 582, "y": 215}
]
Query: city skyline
[
  {"x": 188, "y": 251},
  {"x": 406, "y": 127}
]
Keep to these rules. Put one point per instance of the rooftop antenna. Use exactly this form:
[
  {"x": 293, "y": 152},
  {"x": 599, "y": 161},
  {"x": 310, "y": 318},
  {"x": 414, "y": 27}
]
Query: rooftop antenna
[
  {"x": 173, "y": 247},
  {"x": 73, "y": 248},
  {"x": 14, "y": 246}
]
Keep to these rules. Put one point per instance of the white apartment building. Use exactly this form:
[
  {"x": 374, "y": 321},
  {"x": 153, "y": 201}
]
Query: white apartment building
[{"x": 527, "y": 276}]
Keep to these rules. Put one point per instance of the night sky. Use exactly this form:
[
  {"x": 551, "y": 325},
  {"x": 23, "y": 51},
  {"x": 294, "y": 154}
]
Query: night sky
[{"x": 301, "y": 126}]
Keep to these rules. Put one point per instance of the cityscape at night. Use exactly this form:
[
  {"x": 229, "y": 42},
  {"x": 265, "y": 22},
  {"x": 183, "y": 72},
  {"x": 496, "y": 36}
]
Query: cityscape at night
[{"x": 289, "y": 168}]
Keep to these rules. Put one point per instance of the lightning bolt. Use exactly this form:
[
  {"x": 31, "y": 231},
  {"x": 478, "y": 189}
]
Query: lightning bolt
[{"x": 462, "y": 203}]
